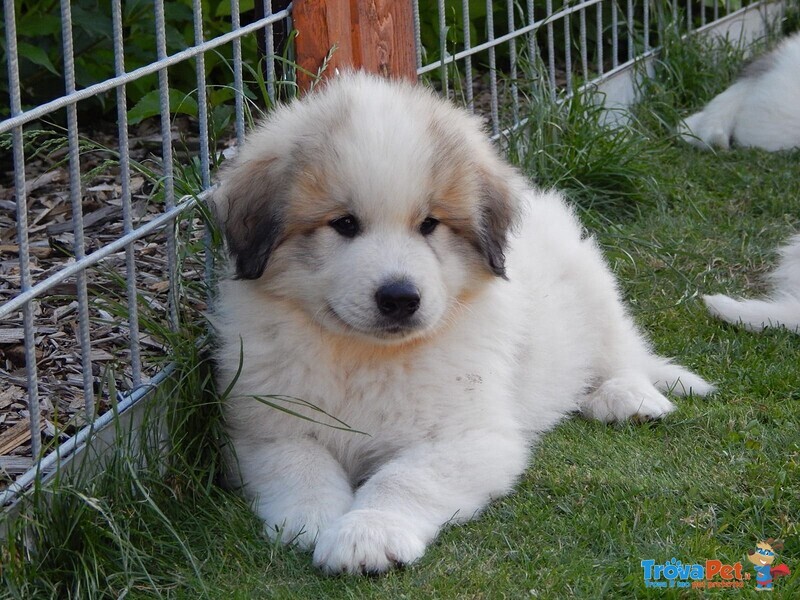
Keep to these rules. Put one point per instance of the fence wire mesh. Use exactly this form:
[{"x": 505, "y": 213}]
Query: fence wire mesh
[
  {"x": 104, "y": 250},
  {"x": 108, "y": 245},
  {"x": 567, "y": 45}
]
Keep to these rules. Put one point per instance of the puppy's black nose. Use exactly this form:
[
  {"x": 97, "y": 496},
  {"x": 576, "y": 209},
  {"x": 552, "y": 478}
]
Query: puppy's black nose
[{"x": 398, "y": 299}]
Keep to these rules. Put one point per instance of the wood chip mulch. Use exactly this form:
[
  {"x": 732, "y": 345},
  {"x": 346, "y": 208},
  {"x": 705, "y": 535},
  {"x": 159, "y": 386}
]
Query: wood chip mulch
[{"x": 50, "y": 231}]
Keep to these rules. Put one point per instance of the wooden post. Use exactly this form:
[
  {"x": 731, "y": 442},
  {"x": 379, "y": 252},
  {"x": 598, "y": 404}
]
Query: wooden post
[{"x": 374, "y": 35}]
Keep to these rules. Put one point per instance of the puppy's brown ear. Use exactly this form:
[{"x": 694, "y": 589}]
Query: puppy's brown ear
[
  {"x": 498, "y": 214},
  {"x": 249, "y": 205}
]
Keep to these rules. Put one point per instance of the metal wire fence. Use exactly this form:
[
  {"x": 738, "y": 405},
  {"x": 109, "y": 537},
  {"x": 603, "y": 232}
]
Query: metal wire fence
[
  {"x": 104, "y": 250},
  {"x": 43, "y": 288},
  {"x": 568, "y": 44}
]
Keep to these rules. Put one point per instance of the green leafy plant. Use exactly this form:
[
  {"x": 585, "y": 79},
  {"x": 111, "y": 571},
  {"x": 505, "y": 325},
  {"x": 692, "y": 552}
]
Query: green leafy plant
[{"x": 41, "y": 54}]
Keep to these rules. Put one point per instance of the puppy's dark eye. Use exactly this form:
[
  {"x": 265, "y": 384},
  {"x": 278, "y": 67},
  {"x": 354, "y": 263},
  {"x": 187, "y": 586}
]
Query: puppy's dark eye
[
  {"x": 346, "y": 226},
  {"x": 428, "y": 225}
]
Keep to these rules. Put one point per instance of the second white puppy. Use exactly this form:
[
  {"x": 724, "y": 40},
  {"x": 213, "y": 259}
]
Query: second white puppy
[
  {"x": 780, "y": 309},
  {"x": 761, "y": 109}
]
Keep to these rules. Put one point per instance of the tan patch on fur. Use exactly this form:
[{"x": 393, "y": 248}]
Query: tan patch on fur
[
  {"x": 353, "y": 349},
  {"x": 250, "y": 204},
  {"x": 454, "y": 191},
  {"x": 455, "y": 198},
  {"x": 472, "y": 186},
  {"x": 347, "y": 347},
  {"x": 311, "y": 204},
  {"x": 453, "y": 171},
  {"x": 245, "y": 194}
]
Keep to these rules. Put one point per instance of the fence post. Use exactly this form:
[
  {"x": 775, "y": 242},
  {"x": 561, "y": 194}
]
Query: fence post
[{"x": 374, "y": 35}]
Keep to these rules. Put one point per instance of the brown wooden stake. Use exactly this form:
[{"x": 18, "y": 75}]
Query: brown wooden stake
[{"x": 374, "y": 35}]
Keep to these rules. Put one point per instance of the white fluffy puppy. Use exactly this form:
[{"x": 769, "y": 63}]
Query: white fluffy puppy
[
  {"x": 392, "y": 271},
  {"x": 780, "y": 309},
  {"x": 761, "y": 109}
]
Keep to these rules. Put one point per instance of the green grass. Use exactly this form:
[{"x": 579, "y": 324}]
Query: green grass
[{"x": 708, "y": 482}]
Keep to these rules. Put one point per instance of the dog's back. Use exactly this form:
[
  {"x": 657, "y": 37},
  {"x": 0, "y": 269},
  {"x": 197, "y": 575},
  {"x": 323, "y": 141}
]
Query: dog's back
[{"x": 761, "y": 109}]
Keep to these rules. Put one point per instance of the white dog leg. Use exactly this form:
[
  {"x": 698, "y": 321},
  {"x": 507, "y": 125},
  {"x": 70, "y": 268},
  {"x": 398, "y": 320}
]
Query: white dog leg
[
  {"x": 674, "y": 379},
  {"x": 627, "y": 395},
  {"x": 713, "y": 126},
  {"x": 399, "y": 510},
  {"x": 298, "y": 488},
  {"x": 629, "y": 376}
]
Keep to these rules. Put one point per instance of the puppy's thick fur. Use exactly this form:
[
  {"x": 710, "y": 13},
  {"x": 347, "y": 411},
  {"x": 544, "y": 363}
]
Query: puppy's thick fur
[
  {"x": 501, "y": 318},
  {"x": 780, "y": 309},
  {"x": 761, "y": 109}
]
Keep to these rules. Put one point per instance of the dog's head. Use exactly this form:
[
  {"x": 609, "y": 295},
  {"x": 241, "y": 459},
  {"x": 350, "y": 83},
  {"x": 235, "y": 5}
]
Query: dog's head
[{"x": 374, "y": 206}]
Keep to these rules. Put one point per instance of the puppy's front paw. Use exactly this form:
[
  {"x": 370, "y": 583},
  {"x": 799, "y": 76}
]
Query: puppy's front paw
[
  {"x": 622, "y": 398},
  {"x": 368, "y": 541},
  {"x": 299, "y": 529},
  {"x": 300, "y": 523}
]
